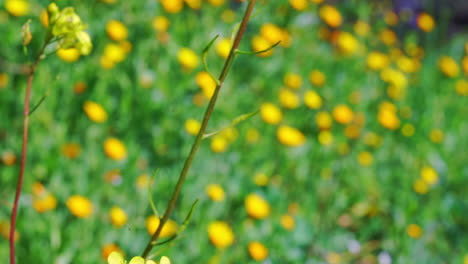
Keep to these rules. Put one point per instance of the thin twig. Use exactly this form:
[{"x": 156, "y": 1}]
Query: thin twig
[{"x": 199, "y": 137}]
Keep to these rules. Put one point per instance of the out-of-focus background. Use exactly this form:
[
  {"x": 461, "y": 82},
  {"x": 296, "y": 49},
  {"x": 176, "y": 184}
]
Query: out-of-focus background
[{"x": 357, "y": 154}]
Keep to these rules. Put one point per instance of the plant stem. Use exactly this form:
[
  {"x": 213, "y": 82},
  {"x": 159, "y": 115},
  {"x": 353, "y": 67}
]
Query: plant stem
[
  {"x": 199, "y": 137},
  {"x": 24, "y": 149}
]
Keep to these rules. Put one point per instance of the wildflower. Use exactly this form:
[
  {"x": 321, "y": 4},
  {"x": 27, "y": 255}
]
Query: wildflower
[
  {"x": 420, "y": 186},
  {"x": 160, "y": 23},
  {"x": 223, "y": 47},
  {"x": 107, "y": 249},
  {"x": 260, "y": 179},
  {"x": 270, "y": 113},
  {"x": 299, "y": 5},
  {"x": 168, "y": 230},
  {"x": 8, "y": 158},
  {"x": 377, "y": 60},
  {"x": 324, "y": 120},
  {"x": 407, "y": 130},
  {"x": 343, "y": 114},
  {"x": 143, "y": 181},
  {"x": 80, "y": 206},
  {"x": 391, "y": 18},
  {"x": 292, "y": 80},
  {"x": 219, "y": 144},
  {"x": 257, "y": 251},
  {"x": 117, "y": 258},
  {"x": 206, "y": 83},
  {"x": 117, "y": 216},
  {"x": 114, "y": 53},
  {"x": 425, "y": 22},
  {"x": 288, "y": 98},
  {"x": 448, "y": 66},
  {"x": 5, "y": 230},
  {"x": 3, "y": 80},
  {"x": 347, "y": 43},
  {"x": 220, "y": 234},
  {"x": 115, "y": 149},
  {"x": 312, "y": 99},
  {"x": 290, "y": 136},
  {"x": 194, "y": 4},
  {"x": 461, "y": 87},
  {"x": 414, "y": 231},
  {"x": 287, "y": 222},
  {"x": 68, "y": 55},
  {"x": 259, "y": 43},
  {"x": 187, "y": 58},
  {"x": 256, "y": 206},
  {"x": 388, "y": 119},
  {"x": 361, "y": 28},
  {"x": 436, "y": 136},
  {"x": 192, "y": 126},
  {"x": 317, "y": 78},
  {"x": 172, "y": 6},
  {"x": 215, "y": 192},
  {"x": 95, "y": 111},
  {"x": 44, "y": 202},
  {"x": 272, "y": 34},
  {"x": 216, "y": 2},
  {"x": 330, "y": 15},
  {"x": 116, "y": 30},
  {"x": 17, "y": 7},
  {"x": 365, "y": 158},
  {"x": 429, "y": 175},
  {"x": 325, "y": 137},
  {"x": 388, "y": 37}
]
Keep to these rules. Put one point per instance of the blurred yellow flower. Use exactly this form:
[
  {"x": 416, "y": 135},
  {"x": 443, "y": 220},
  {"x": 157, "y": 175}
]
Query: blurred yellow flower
[
  {"x": 347, "y": 43},
  {"x": 206, "y": 83},
  {"x": 8, "y": 158},
  {"x": 44, "y": 202},
  {"x": 192, "y": 126},
  {"x": 407, "y": 130},
  {"x": 312, "y": 99},
  {"x": 3, "y": 80},
  {"x": 223, "y": 47},
  {"x": 391, "y": 18},
  {"x": 299, "y": 5},
  {"x": 114, "y": 53},
  {"x": 287, "y": 222},
  {"x": 436, "y": 136},
  {"x": 273, "y": 33},
  {"x": 330, "y": 15},
  {"x": 216, "y": 2},
  {"x": 5, "y": 230},
  {"x": 388, "y": 37},
  {"x": 414, "y": 231},
  {"x": 343, "y": 114},
  {"x": 172, "y": 6},
  {"x": 429, "y": 175},
  {"x": 215, "y": 192},
  {"x": 448, "y": 66},
  {"x": 169, "y": 229},
  {"x": 259, "y": 43},
  {"x": 288, "y": 98},
  {"x": 194, "y": 4},
  {"x": 257, "y": 250},
  {"x": 317, "y": 78},
  {"x": 219, "y": 143},
  {"x": 80, "y": 206},
  {"x": 290, "y": 136},
  {"x": 17, "y": 7},
  {"x": 324, "y": 120},
  {"x": 95, "y": 111},
  {"x": 388, "y": 119},
  {"x": 377, "y": 60},
  {"x": 118, "y": 216},
  {"x": 252, "y": 135},
  {"x": 220, "y": 234},
  {"x": 425, "y": 22},
  {"x": 68, "y": 55},
  {"x": 325, "y": 137},
  {"x": 361, "y": 28},
  {"x": 115, "y": 149},
  {"x": 333, "y": 258},
  {"x": 188, "y": 58},
  {"x": 71, "y": 150},
  {"x": 117, "y": 257},
  {"x": 116, "y": 30},
  {"x": 365, "y": 158},
  {"x": 461, "y": 87},
  {"x": 143, "y": 181},
  {"x": 420, "y": 186},
  {"x": 260, "y": 179},
  {"x": 292, "y": 80},
  {"x": 160, "y": 23},
  {"x": 107, "y": 249},
  {"x": 256, "y": 206},
  {"x": 270, "y": 113}
]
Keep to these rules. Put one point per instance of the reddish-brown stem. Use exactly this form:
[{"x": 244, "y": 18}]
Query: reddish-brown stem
[{"x": 24, "y": 150}]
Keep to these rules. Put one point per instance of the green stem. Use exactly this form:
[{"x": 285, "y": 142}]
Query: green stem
[{"x": 199, "y": 137}]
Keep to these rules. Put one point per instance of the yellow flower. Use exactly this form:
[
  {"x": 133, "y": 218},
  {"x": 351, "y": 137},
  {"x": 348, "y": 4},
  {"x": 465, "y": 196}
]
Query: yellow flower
[
  {"x": 260, "y": 43},
  {"x": 325, "y": 138},
  {"x": 172, "y": 6},
  {"x": 448, "y": 66},
  {"x": 115, "y": 149},
  {"x": 270, "y": 113},
  {"x": 429, "y": 175},
  {"x": 461, "y": 87},
  {"x": 343, "y": 114},
  {"x": 317, "y": 78},
  {"x": 80, "y": 206},
  {"x": 71, "y": 150},
  {"x": 206, "y": 83},
  {"x": 333, "y": 258},
  {"x": 169, "y": 229},
  {"x": 257, "y": 250},
  {"x": 215, "y": 192},
  {"x": 5, "y": 230},
  {"x": 287, "y": 222},
  {"x": 347, "y": 43},
  {"x": 194, "y": 4},
  {"x": 192, "y": 126},
  {"x": 116, "y": 30},
  {"x": 143, "y": 181},
  {"x": 361, "y": 28},
  {"x": 391, "y": 18},
  {"x": 260, "y": 179},
  {"x": 377, "y": 60},
  {"x": 187, "y": 58},
  {"x": 114, "y": 53},
  {"x": 116, "y": 257},
  {"x": 118, "y": 216},
  {"x": 256, "y": 206},
  {"x": 288, "y": 99},
  {"x": 292, "y": 80},
  {"x": 414, "y": 231},
  {"x": 3, "y": 80},
  {"x": 388, "y": 37},
  {"x": 436, "y": 136},
  {"x": 290, "y": 136},
  {"x": 312, "y": 99},
  {"x": 160, "y": 23},
  {"x": 8, "y": 158},
  {"x": 220, "y": 234},
  {"x": 252, "y": 135},
  {"x": 95, "y": 111},
  {"x": 365, "y": 158},
  {"x": 420, "y": 186},
  {"x": 323, "y": 120},
  {"x": 465, "y": 64},
  {"x": 44, "y": 202},
  {"x": 388, "y": 119},
  {"x": 17, "y": 7},
  {"x": 272, "y": 34},
  {"x": 68, "y": 55},
  {"x": 330, "y": 15},
  {"x": 407, "y": 130},
  {"x": 425, "y": 22},
  {"x": 219, "y": 143},
  {"x": 299, "y": 5},
  {"x": 107, "y": 249},
  {"x": 223, "y": 47}
]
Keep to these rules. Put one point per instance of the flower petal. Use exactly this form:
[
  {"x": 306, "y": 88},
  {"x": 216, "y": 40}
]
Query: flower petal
[
  {"x": 137, "y": 260},
  {"x": 115, "y": 258},
  {"x": 165, "y": 260}
]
